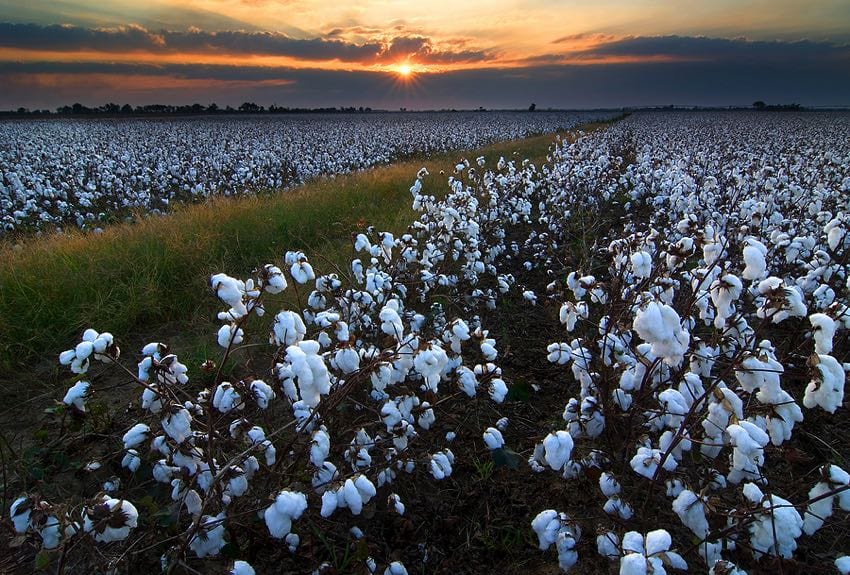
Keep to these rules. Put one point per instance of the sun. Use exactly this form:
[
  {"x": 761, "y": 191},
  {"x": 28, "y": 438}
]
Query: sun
[{"x": 405, "y": 70}]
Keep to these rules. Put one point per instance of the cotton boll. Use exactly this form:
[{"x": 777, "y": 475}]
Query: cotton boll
[
  {"x": 608, "y": 545},
  {"x": 843, "y": 564},
  {"x": 754, "y": 254},
  {"x": 110, "y": 520},
  {"x": 288, "y": 329},
  {"x": 609, "y": 484},
  {"x": 441, "y": 464},
  {"x": 287, "y": 506},
  {"x": 20, "y": 512},
  {"x": 558, "y": 447},
  {"x": 395, "y": 568},
  {"x": 242, "y": 568},
  {"x": 131, "y": 460},
  {"x": 660, "y": 326},
  {"x": 826, "y": 389},
  {"x": 546, "y": 525},
  {"x": 641, "y": 264},
  {"x": 209, "y": 539},
  {"x": 76, "y": 396},
  {"x": 823, "y": 330},
  {"x": 229, "y": 335},
  {"x": 691, "y": 511},
  {"x": 493, "y": 438}
]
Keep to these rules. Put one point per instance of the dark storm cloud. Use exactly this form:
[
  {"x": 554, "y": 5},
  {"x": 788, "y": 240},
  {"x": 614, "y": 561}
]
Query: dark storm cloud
[
  {"x": 237, "y": 42},
  {"x": 703, "y": 48}
]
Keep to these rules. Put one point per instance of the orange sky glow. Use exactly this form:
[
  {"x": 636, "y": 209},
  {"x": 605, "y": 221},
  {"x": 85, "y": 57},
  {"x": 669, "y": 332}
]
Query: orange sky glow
[{"x": 159, "y": 41}]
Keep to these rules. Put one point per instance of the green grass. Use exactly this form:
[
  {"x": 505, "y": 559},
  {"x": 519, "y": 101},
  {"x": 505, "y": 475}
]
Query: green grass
[{"x": 150, "y": 277}]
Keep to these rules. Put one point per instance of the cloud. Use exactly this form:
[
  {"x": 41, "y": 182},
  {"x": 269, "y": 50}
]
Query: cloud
[
  {"x": 121, "y": 39},
  {"x": 717, "y": 49}
]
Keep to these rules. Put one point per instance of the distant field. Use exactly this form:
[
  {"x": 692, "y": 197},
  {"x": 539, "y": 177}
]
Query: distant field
[
  {"x": 154, "y": 271},
  {"x": 87, "y": 173}
]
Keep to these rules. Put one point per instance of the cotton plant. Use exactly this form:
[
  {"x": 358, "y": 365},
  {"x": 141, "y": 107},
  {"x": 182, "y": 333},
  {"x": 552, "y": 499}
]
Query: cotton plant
[{"x": 556, "y": 528}]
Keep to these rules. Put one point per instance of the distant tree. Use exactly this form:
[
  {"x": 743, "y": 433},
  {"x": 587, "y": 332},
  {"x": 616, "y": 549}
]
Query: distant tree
[
  {"x": 212, "y": 108},
  {"x": 532, "y": 107},
  {"x": 197, "y": 108},
  {"x": 250, "y": 107},
  {"x": 759, "y": 105},
  {"x": 126, "y": 109}
]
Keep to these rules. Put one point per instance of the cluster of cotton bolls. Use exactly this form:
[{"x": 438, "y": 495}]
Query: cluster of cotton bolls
[
  {"x": 680, "y": 377},
  {"x": 716, "y": 281},
  {"x": 375, "y": 331},
  {"x": 66, "y": 172}
]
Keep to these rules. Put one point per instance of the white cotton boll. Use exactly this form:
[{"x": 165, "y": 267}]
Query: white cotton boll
[
  {"x": 263, "y": 393},
  {"x": 546, "y": 525},
  {"x": 558, "y": 447},
  {"x": 242, "y": 568},
  {"x": 608, "y": 545},
  {"x": 110, "y": 520},
  {"x": 641, "y": 264},
  {"x": 565, "y": 545},
  {"x": 633, "y": 564},
  {"x": 274, "y": 281},
  {"x": 823, "y": 332},
  {"x": 754, "y": 254},
  {"x": 83, "y": 350},
  {"x": 347, "y": 360},
  {"x": 292, "y": 541},
  {"x": 320, "y": 447},
  {"x": 288, "y": 329},
  {"x": 657, "y": 541},
  {"x": 20, "y": 512},
  {"x": 498, "y": 390},
  {"x": 530, "y": 297},
  {"x": 646, "y": 462},
  {"x": 76, "y": 396},
  {"x": 659, "y": 325},
  {"x": 330, "y": 502},
  {"x": 502, "y": 423},
  {"x": 226, "y": 398},
  {"x": 691, "y": 510},
  {"x": 559, "y": 353},
  {"x": 748, "y": 456},
  {"x": 391, "y": 323},
  {"x": 843, "y": 564},
  {"x": 427, "y": 417},
  {"x": 396, "y": 568},
  {"x": 493, "y": 438},
  {"x": 618, "y": 507},
  {"x": 209, "y": 539},
  {"x": 609, "y": 484},
  {"x": 178, "y": 424},
  {"x": 229, "y": 334},
  {"x": 396, "y": 502},
  {"x": 131, "y": 460},
  {"x": 441, "y": 464},
  {"x": 827, "y": 389},
  {"x": 287, "y": 506},
  {"x": 775, "y": 531},
  {"x": 302, "y": 272},
  {"x": 362, "y": 243}
]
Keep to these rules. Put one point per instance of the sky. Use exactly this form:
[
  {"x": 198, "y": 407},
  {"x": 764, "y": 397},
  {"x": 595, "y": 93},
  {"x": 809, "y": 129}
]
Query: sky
[{"x": 424, "y": 55}]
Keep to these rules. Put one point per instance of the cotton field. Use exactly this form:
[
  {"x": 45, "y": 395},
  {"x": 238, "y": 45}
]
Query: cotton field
[
  {"x": 684, "y": 286},
  {"x": 55, "y": 173}
]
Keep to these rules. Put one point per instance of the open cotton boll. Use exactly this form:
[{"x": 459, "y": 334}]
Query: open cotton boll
[
  {"x": 287, "y": 506},
  {"x": 177, "y": 423},
  {"x": 754, "y": 254},
  {"x": 20, "y": 513},
  {"x": 131, "y": 460},
  {"x": 641, "y": 264},
  {"x": 493, "y": 438},
  {"x": 691, "y": 510},
  {"x": 558, "y": 447},
  {"x": 833, "y": 478},
  {"x": 209, "y": 539},
  {"x": 395, "y": 568},
  {"x": 659, "y": 325},
  {"x": 110, "y": 520},
  {"x": 609, "y": 484},
  {"x": 843, "y": 564},
  {"x": 826, "y": 389},
  {"x": 823, "y": 330},
  {"x": 748, "y": 441},
  {"x": 76, "y": 396},
  {"x": 242, "y": 568},
  {"x": 396, "y": 502},
  {"x": 229, "y": 334},
  {"x": 288, "y": 329},
  {"x": 441, "y": 464},
  {"x": 776, "y": 529},
  {"x": 646, "y": 462}
]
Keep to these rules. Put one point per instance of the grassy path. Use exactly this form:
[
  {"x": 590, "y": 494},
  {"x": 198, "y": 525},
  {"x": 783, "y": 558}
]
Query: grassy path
[{"x": 151, "y": 276}]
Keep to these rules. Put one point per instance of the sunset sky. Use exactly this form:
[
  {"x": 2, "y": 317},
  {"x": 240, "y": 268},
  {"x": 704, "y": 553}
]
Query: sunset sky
[{"x": 496, "y": 54}]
